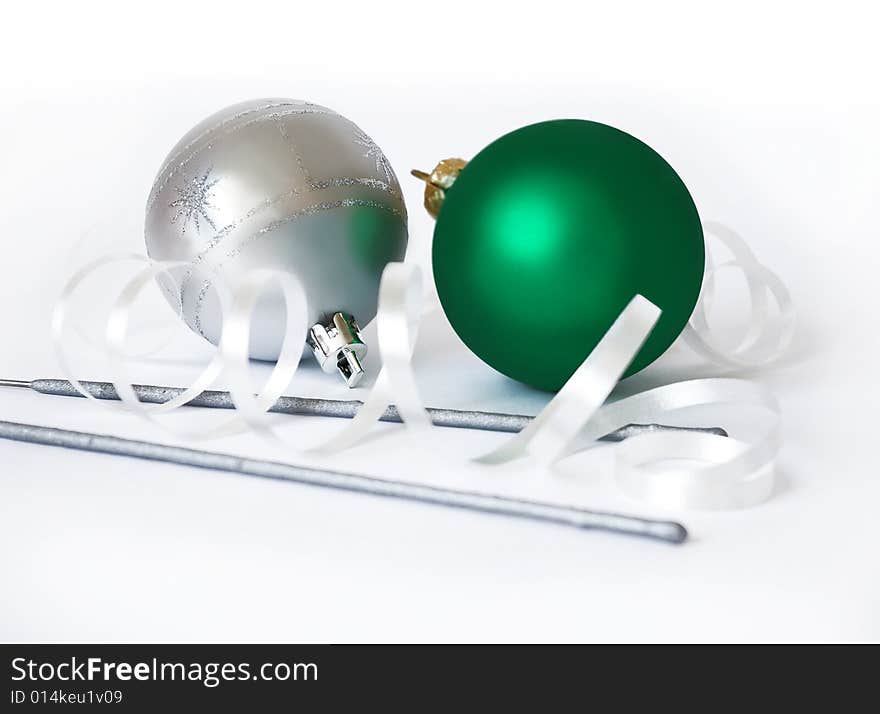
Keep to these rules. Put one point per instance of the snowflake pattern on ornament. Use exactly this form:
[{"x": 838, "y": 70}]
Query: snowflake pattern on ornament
[
  {"x": 383, "y": 166},
  {"x": 193, "y": 201}
]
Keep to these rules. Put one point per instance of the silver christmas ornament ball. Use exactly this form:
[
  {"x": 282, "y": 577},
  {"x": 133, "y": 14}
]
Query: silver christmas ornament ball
[{"x": 283, "y": 184}]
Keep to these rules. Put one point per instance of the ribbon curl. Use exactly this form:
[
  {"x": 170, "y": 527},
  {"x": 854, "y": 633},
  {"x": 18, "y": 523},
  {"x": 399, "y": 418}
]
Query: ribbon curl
[{"x": 731, "y": 473}]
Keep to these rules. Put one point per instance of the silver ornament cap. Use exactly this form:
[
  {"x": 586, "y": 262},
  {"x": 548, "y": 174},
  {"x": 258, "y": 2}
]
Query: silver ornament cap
[
  {"x": 338, "y": 346},
  {"x": 286, "y": 185}
]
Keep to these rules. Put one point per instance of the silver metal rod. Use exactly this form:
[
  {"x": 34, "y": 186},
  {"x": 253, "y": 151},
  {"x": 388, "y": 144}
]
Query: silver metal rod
[
  {"x": 457, "y": 418},
  {"x": 668, "y": 531}
]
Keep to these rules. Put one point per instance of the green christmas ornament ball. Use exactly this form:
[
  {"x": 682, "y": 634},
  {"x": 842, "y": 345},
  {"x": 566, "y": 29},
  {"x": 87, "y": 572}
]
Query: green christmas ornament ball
[{"x": 545, "y": 236}]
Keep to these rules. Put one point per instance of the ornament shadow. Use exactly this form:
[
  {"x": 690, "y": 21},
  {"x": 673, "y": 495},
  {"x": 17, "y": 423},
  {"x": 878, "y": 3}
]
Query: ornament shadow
[{"x": 783, "y": 484}]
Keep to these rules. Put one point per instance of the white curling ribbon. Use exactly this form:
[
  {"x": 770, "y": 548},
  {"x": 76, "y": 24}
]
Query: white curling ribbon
[
  {"x": 398, "y": 321},
  {"x": 551, "y": 433},
  {"x": 400, "y": 306},
  {"x": 736, "y": 474},
  {"x": 115, "y": 337},
  {"x": 398, "y": 318},
  {"x": 234, "y": 345},
  {"x": 731, "y": 474},
  {"x": 767, "y": 338}
]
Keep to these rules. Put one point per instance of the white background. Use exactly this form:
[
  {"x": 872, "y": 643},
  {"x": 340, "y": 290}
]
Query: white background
[{"x": 769, "y": 112}]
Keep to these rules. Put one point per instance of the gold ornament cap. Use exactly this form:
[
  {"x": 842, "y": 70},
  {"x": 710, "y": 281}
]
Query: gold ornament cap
[{"x": 438, "y": 181}]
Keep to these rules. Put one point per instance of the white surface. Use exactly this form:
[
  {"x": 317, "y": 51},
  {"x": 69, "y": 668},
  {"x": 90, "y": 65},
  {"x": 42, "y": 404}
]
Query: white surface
[{"x": 768, "y": 112}]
